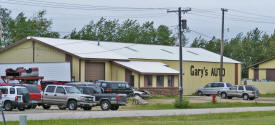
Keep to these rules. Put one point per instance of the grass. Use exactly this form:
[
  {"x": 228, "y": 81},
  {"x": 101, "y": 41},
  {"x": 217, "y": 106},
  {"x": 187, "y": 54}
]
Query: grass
[
  {"x": 163, "y": 97},
  {"x": 243, "y": 118},
  {"x": 159, "y": 106},
  {"x": 267, "y": 95}
]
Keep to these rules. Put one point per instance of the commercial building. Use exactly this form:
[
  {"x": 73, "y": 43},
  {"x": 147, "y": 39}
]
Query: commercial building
[
  {"x": 263, "y": 71},
  {"x": 151, "y": 67}
]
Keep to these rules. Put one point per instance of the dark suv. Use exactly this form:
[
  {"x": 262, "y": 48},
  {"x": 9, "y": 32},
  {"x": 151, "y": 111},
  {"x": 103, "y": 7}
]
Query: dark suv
[
  {"x": 115, "y": 87},
  {"x": 106, "y": 101}
]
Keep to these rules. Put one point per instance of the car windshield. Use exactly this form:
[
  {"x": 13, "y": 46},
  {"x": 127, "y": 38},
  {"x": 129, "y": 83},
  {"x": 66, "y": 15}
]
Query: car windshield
[
  {"x": 72, "y": 90},
  {"x": 22, "y": 91},
  {"x": 228, "y": 84}
]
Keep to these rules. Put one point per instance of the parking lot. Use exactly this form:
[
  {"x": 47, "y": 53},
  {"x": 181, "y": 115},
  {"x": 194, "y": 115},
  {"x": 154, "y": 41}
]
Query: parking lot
[{"x": 192, "y": 99}]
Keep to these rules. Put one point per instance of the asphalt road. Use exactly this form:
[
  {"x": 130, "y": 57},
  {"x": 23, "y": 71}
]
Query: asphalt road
[{"x": 130, "y": 113}]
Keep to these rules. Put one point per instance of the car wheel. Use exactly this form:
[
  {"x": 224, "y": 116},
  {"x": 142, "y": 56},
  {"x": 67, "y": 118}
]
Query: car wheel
[
  {"x": 114, "y": 107},
  {"x": 200, "y": 93},
  {"x": 105, "y": 105},
  {"x": 72, "y": 105},
  {"x": 45, "y": 106},
  {"x": 62, "y": 107},
  {"x": 21, "y": 108},
  {"x": 34, "y": 106},
  {"x": 245, "y": 97},
  {"x": 8, "y": 106},
  {"x": 223, "y": 95},
  {"x": 29, "y": 107},
  {"x": 87, "y": 107}
]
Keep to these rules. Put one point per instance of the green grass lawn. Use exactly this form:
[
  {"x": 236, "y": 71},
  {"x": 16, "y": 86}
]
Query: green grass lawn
[
  {"x": 195, "y": 105},
  {"x": 244, "y": 118},
  {"x": 267, "y": 95}
]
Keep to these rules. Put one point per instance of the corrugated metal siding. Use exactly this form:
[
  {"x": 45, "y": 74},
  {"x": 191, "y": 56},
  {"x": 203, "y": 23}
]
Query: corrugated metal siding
[{"x": 94, "y": 71}]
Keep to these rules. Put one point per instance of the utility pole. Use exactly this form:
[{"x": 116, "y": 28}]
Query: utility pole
[
  {"x": 179, "y": 11},
  {"x": 222, "y": 46}
]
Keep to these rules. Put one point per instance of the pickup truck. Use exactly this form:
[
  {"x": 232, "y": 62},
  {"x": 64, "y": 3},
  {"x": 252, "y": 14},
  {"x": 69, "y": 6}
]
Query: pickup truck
[
  {"x": 66, "y": 97},
  {"x": 241, "y": 91},
  {"x": 105, "y": 101}
]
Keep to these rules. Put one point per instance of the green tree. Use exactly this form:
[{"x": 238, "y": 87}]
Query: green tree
[
  {"x": 129, "y": 31},
  {"x": 21, "y": 26}
]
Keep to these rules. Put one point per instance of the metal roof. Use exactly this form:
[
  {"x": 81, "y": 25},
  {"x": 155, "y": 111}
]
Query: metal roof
[
  {"x": 124, "y": 51},
  {"x": 147, "y": 67}
]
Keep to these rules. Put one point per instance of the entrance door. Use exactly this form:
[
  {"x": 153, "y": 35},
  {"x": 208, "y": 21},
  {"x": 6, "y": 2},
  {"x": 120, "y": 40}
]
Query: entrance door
[
  {"x": 128, "y": 74},
  {"x": 256, "y": 74}
]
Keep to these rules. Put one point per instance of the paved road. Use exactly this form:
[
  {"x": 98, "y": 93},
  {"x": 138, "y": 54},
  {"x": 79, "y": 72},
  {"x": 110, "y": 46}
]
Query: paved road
[{"x": 132, "y": 113}]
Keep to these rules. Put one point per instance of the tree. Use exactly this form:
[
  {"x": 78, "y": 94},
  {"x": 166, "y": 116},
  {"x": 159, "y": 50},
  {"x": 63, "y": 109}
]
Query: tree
[
  {"x": 21, "y": 26},
  {"x": 249, "y": 49},
  {"x": 129, "y": 31}
]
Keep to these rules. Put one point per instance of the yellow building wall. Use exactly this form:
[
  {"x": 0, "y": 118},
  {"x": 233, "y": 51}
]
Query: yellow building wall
[
  {"x": 118, "y": 73},
  {"x": 44, "y": 53},
  {"x": 264, "y": 87},
  {"x": 251, "y": 73},
  {"x": 192, "y": 83},
  {"x": 154, "y": 80},
  {"x": 75, "y": 68},
  {"x": 268, "y": 64},
  {"x": 136, "y": 77},
  {"x": 21, "y": 53},
  {"x": 82, "y": 70},
  {"x": 141, "y": 81},
  {"x": 165, "y": 81}
]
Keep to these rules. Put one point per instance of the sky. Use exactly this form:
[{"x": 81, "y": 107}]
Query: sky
[{"x": 204, "y": 20}]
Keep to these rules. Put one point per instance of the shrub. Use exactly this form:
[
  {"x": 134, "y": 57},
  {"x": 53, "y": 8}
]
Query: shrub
[{"x": 181, "y": 105}]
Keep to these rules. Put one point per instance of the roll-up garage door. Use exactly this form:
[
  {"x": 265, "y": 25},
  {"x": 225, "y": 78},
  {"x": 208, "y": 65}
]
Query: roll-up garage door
[{"x": 94, "y": 71}]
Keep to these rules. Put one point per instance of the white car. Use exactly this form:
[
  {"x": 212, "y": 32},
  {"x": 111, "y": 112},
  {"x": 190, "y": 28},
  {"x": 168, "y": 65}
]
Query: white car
[
  {"x": 14, "y": 97},
  {"x": 142, "y": 93}
]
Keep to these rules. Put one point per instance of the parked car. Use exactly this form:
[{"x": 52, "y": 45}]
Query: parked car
[
  {"x": 35, "y": 95},
  {"x": 142, "y": 93},
  {"x": 66, "y": 97},
  {"x": 43, "y": 84},
  {"x": 107, "y": 101},
  {"x": 115, "y": 87},
  {"x": 213, "y": 88},
  {"x": 241, "y": 91},
  {"x": 15, "y": 97}
]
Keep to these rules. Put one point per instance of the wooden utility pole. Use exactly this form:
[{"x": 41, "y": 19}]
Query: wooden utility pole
[
  {"x": 222, "y": 46},
  {"x": 179, "y": 11}
]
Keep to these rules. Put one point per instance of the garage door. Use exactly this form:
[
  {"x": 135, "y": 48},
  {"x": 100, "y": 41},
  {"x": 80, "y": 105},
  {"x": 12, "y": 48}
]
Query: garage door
[
  {"x": 270, "y": 74},
  {"x": 94, "y": 71}
]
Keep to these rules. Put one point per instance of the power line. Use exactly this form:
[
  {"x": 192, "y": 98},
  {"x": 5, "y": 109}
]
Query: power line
[{"x": 77, "y": 6}]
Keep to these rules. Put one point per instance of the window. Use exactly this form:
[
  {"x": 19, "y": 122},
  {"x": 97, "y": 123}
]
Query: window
[
  {"x": 160, "y": 80},
  {"x": 240, "y": 88},
  {"x": 208, "y": 85},
  {"x": 104, "y": 85},
  {"x": 149, "y": 80},
  {"x": 122, "y": 85},
  {"x": 214, "y": 84},
  {"x": 60, "y": 90},
  {"x": 12, "y": 91},
  {"x": 22, "y": 91},
  {"x": 115, "y": 86},
  {"x": 170, "y": 81},
  {"x": 4, "y": 90},
  {"x": 50, "y": 89},
  {"x": 220, "y": 84},
  {"x": 228, "y": 84},
  {"x": 233, "y": 88}
]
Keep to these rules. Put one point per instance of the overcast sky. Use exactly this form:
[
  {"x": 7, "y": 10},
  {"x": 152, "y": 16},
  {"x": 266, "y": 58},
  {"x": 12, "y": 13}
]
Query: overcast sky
[{"x": 204, "y": 19}]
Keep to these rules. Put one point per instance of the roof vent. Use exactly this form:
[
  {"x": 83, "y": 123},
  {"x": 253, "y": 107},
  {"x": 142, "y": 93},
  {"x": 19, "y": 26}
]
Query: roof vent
[
  {"x": 167, "y": 51},
  {"x": 131, "y": 49},
  {"x": 192, "y": 52}
]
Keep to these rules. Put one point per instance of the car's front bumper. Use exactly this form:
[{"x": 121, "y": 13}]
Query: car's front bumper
[{"x": 81, "y": 104}]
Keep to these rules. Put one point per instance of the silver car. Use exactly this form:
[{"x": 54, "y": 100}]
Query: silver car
[
  {"x": 242, "y": 91},
  {"x": 213, "y": 88}
]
